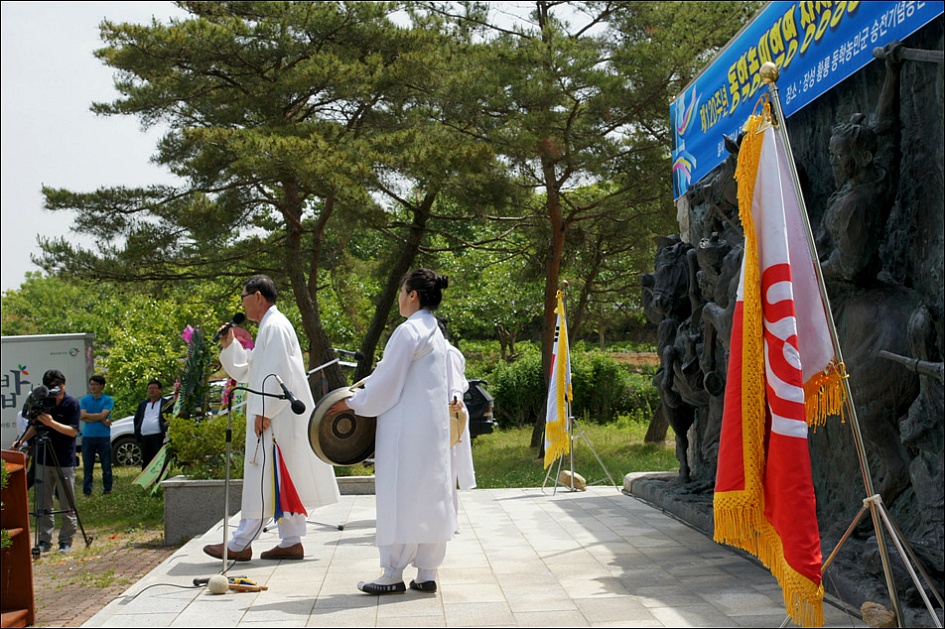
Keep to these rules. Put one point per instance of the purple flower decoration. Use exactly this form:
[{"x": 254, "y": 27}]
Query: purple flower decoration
[
  {"x": 228, "y": 391},
  {"x": 187, "y": 334}
]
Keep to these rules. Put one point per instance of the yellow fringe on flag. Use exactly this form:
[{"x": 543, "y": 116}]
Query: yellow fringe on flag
[
  {"x": 740, "y": 522},
  {"x": 556, "y": 433},
  {"x": 825, "y": 395},
  {"x": 739, "y": 515},
  {"x": 557, "y": 439},
  {"x": 753, "y": 368}
]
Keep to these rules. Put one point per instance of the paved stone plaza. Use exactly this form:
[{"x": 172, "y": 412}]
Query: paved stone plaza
[{"x": 523, "y": 558}]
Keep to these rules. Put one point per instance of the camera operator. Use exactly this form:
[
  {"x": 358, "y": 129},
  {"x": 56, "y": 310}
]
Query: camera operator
[{"x": 61, "y": 423}]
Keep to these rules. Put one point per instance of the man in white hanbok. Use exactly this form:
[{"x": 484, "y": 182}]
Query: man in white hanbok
[
  {"x": 461, "y": 459},
  {"x": 276, "y": 353},
  {"x": 409, "y": 396}
]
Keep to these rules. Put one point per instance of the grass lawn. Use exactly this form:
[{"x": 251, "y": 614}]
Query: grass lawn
[
  {"x": 127, "y": 509},
  {"x": 504, "y": 459}
]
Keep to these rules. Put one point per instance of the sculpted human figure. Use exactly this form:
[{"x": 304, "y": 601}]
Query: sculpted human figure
[
  {"x": 870, "y": 315},
  {"x": 865, "y": 162}
]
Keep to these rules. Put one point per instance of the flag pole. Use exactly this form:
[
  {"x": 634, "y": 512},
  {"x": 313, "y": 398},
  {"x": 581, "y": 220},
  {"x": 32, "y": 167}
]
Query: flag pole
[
  {"x": 769, "y": 74},
  {"x": 572, "y": 422}
]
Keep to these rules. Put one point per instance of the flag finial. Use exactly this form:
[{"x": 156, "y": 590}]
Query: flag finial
[{"x": 769, "y": 72}]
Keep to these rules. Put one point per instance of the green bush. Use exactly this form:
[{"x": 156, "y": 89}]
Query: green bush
[
  {"x": 519, "y": 390},
  {"x": 199, "y": 445},
  {"x": 603, "y": 389}
]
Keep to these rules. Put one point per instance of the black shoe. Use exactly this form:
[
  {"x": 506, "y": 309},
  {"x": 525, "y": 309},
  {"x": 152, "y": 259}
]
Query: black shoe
[
  {"x": 383, "y": 585},
  {"x": 44, "y": 547},
  {"x": 424, "y": 586}
]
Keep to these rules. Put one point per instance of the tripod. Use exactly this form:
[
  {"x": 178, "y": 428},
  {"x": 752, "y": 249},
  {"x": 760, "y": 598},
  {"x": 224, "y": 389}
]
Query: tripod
[
  {"x": 575, "y": 431},
  {"x": 45, "y": 448}
]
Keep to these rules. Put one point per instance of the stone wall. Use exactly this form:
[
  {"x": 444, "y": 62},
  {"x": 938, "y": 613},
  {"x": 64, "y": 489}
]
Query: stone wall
[{"x": 896, "y": 304}]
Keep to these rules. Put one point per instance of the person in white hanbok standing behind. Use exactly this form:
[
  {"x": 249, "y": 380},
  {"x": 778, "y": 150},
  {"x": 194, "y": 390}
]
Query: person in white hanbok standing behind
[
  {"x": 409, "y": 396},
  {"x": 464, "y": 474}
]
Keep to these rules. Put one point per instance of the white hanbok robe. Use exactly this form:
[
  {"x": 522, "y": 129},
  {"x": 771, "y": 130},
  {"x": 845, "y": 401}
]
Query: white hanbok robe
[
  {"x": 277, "y": 351},
  {"x": 463, "y": 472},
  {"x": 408, "y": 394}
]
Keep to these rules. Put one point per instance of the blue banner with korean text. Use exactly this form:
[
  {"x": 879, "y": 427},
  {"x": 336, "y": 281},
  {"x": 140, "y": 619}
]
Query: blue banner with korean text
[{"x": 816, "y": 45}]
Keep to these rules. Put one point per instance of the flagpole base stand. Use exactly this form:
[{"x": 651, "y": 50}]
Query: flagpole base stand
[{"x": 575, "y": 481}]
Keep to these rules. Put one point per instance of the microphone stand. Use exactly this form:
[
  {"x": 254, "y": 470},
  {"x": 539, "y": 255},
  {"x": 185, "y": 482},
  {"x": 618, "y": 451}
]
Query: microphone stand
[
  {"x": 229, "y": 450},
  {"x": 228, "y": 453}
]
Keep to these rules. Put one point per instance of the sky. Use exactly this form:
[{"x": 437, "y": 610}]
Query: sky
[{"x": 50, "y": 137}]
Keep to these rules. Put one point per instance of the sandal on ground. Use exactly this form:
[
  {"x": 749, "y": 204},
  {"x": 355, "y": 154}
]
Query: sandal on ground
[
  {"x": 383, "y": 585},
  {"x": 424, "y": 586}
]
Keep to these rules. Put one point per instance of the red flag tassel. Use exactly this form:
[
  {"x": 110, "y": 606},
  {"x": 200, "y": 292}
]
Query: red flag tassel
[{"x": 287, "y": 496}]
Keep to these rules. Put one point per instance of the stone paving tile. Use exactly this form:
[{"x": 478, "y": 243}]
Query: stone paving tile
[
  {"x": 343, "y": 617},
  {"x": 550, "y": 619},
  {"x": 617, "y": 609},
  {"x": 666, "y": 596},
  {"x": 138, "y": 620},
  {"x": 273, "y": 623},
  {"x": 478, "y": 614},
  {"x": 642, "y": 576},
  {"x": 410, "y": 621},
  {"x": 523, "y": 559},
  {"x": 275, "y": 607},
  {"x": 692, "y": 616},
  {"x": 485, "y": 592},
  {"x": 745, "y": 603},
  {"x": 208, "y": 617}
]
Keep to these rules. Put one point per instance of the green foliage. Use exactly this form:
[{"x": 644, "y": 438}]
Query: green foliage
[
  {"x": 603, "y": 389},
  {"x": 199, "y": 446},
  {"x": 195, "y": 380},
  {"x": 482, "y": 357},
  {"x": 59, "y": 305},
  {"x": 137, "y": 329},
  {"x": 135, "y": 353},
  {"x": 519, "y": 390}
]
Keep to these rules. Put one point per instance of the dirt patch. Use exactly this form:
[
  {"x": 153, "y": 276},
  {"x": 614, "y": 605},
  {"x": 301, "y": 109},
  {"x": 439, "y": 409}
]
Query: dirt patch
[
  {"x": 637, "y": 359},
  {"x": 70, "y": 589}
]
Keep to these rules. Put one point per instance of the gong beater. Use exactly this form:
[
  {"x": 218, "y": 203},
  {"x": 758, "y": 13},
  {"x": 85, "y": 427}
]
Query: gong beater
[{"x": 343, "y": 438}]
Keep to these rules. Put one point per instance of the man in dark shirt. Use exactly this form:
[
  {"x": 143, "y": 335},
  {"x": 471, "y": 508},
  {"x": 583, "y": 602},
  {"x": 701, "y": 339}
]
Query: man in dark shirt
[
  {"x": 62, "y": 426},
  {"x": 150, "y": 421}
]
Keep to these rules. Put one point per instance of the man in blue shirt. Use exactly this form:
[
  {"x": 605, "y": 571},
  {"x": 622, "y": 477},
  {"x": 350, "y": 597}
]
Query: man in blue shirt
[{"x": 96, "y": 434}]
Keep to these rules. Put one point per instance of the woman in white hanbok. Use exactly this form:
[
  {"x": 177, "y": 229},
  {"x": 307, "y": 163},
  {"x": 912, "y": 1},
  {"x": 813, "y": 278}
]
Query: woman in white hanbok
[{"x": 413, "y": 476}]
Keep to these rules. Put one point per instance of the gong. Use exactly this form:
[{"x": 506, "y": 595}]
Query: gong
[{"x": 343, "y": 438}]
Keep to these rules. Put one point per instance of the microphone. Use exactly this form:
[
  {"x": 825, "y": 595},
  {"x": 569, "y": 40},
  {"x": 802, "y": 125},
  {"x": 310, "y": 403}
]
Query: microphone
[
  {"x": 237, "y": 319},
  {"x": 298, "y": 406},
  {"x": 344, "y": 352}
]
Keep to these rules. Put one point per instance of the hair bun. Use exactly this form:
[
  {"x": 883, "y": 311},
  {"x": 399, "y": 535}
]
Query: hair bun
[{"x": 442, "y": 281}]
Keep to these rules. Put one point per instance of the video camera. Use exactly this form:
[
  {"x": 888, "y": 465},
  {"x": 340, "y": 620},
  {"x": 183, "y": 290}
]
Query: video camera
[{"x": 40, "y": 400}]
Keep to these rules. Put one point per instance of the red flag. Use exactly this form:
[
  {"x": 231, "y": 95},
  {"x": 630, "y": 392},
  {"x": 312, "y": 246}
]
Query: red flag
[
  {"x": 287, "y": 498},
  {"x": 780, "y": 378}
]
